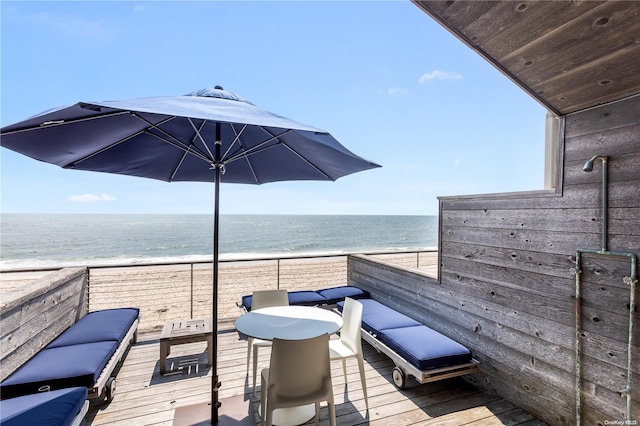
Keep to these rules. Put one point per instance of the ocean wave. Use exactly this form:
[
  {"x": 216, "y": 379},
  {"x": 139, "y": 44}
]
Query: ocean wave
[{"x": 54, "y": 241}]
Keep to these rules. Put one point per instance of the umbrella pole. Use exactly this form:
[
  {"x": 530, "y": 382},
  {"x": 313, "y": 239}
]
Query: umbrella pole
[{"x": 215, "y": 384}]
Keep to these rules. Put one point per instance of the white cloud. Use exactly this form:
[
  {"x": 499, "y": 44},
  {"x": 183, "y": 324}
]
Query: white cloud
[
  {"x": 439, "y": 75},
  {"x": 89, "y": 198},
  {"x": 397, "y": 92},
  {"x": 457, "y": 162}
]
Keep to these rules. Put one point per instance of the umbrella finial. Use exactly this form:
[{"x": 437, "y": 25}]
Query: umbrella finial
[{"x": 218, "y": 92}]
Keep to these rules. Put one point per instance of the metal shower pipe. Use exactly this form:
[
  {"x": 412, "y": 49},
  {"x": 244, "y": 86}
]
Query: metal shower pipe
[
  {"x": 588, "y": 167},
  {"x": 631, "y": 280}
]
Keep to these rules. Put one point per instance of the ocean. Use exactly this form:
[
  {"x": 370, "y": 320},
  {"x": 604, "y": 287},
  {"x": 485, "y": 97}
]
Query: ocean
[{"x": 56, "y": 240}]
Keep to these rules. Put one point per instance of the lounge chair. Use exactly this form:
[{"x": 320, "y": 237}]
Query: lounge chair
[
  {"x": 416, "y": 349},
  {"x": 64, "y": 407},
  {"x": 85, "y": 355},
  {"x": 327, "y": 297}
]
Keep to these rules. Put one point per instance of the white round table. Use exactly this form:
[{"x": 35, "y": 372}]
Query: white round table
[
  {"x": 292, "y": 323},
  {"x": 288, "y": 322}
]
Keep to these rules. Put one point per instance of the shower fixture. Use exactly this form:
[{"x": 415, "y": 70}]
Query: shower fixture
[
  {"x": 630, "y": 280},
  {"x": 588, "y": 166}
]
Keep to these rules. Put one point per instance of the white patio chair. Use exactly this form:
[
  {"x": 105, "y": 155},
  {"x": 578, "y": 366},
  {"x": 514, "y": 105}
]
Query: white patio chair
[
  {"x": 349, "y": 345},
  {"x": 299, "y": 374},
  {"x": 263, "y": 299}
]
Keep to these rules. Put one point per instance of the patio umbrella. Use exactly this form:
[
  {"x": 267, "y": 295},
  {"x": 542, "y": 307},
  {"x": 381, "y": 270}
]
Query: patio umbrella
[{"x": 210, "y": 135}]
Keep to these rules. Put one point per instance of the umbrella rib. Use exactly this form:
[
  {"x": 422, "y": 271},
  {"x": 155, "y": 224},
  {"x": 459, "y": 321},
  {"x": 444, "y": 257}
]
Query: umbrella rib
[
  {"x": 184, "y": 153},
  {"x": 239, "y": 140},
  {"x": 100, "y": 151},
  {"x": 199, "y": 136},
  {"x": 176, "y": 142},
  {"x": 187, "y": 149},
  {"x": 236, "y": 139},
  {"x": 54, "y": 123},
  {"x": 106, "y": 148},
  {"x": 307, "y": 161},
  {"x": 259, "y": 147}
]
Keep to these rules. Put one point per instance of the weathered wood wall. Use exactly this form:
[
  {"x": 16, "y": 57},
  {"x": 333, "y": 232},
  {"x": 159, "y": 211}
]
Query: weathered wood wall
[
  {"x": 506, "y": 289},
  {"x": 31, "y": 317}
]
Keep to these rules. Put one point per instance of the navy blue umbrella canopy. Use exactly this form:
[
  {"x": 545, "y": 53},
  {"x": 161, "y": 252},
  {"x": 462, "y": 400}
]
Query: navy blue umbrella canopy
[
  {"x": 210, "y": 135},
  {"x": 173, "y": 139}
]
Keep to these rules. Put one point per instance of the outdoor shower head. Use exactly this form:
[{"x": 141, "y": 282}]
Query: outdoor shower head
[{"x": 588, "y": 166}]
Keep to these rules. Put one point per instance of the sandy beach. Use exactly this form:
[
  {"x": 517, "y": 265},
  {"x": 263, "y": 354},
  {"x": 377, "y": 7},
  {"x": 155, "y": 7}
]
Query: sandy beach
[{"x": 170, "y": 292}]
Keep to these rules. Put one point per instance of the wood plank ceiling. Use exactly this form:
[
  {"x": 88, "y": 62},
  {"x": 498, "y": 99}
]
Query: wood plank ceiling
[{"x": 569, "y": 55}]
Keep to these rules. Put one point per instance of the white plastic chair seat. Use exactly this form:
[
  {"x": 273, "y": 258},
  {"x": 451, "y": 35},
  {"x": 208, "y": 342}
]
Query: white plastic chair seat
[
  {"x": 263, "y": 299},
  {"x": 285, "y": 401},
  {"x": 299, "y": 374},
  {"x": 338, "y": 350}
]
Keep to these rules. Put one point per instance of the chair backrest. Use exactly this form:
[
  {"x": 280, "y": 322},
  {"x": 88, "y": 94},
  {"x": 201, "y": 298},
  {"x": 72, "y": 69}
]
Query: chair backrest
[
  {"x": 268, "y": 298},
  {"x": 352, "y": 322},
  {"x": 300, "y": 368}
]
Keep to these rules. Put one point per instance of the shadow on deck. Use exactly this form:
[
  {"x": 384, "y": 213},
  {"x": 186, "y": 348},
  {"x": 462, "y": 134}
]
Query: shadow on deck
[{"x": 144, "y": 397}]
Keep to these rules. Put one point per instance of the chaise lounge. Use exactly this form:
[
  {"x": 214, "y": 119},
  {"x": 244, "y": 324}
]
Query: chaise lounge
[
  {"x": 327, "y": 297},
  {"x": 84, "y": 355},
  {"x": 416, "y": 349},
  {"x": 64, "y": 407}
]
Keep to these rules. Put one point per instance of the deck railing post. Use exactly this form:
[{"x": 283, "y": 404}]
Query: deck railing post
[
  {"x": 278, "y": 274},
  {"x": 88, "y": 289},
  {"x": 191, "y": 304}
]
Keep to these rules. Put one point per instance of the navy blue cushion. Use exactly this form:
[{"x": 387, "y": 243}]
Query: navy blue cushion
[
  {"x": 306, "y": 298},
  {"x": 300, "y": 298},
  {"x": 423, "y": 347},
  {"x": 63, "y": 367},
  {"x": 377, "y": 317},
  {"x": 246, "y": 301},
  {"x": 56, "y": 408},
  {"x": 336, "y": 294},
  {"x": 98, "y": 326}
]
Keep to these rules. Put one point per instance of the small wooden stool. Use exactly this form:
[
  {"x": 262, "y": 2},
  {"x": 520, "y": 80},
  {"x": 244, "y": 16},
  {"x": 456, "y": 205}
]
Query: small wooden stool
[{"x": 185, "y": 331}]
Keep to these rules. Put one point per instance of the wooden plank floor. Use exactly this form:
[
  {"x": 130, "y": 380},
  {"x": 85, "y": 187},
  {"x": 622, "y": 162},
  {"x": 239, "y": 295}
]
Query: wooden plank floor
[{"x": 144, "y": 397}]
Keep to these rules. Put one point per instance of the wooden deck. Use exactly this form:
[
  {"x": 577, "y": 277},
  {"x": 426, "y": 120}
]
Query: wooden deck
[{"x": 144, "y": 397}]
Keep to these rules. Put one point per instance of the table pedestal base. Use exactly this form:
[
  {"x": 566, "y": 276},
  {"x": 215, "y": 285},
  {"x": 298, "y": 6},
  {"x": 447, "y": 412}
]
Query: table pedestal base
[{"x": 292, "y": 416}]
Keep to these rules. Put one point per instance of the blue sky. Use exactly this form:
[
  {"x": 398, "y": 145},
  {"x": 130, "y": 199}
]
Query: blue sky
[{"x": 382, "y": 77}]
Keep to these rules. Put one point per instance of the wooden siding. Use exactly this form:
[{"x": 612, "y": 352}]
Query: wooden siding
[
  {"x": 30, "y": 318},
  {"x": 569, "y": 55},
  {"x": 507, "y": 263},
  {"x": 506, "y": 288}
]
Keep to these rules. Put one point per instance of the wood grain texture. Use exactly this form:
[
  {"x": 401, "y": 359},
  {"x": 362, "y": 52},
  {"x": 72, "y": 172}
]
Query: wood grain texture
[
  {"x": 144, "y": 397},
  {"x": 31, "y": 317}
]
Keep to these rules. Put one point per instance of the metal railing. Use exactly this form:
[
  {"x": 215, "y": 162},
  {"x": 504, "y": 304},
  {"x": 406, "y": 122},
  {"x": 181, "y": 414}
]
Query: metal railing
[{"x": 169, "y": 290}]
